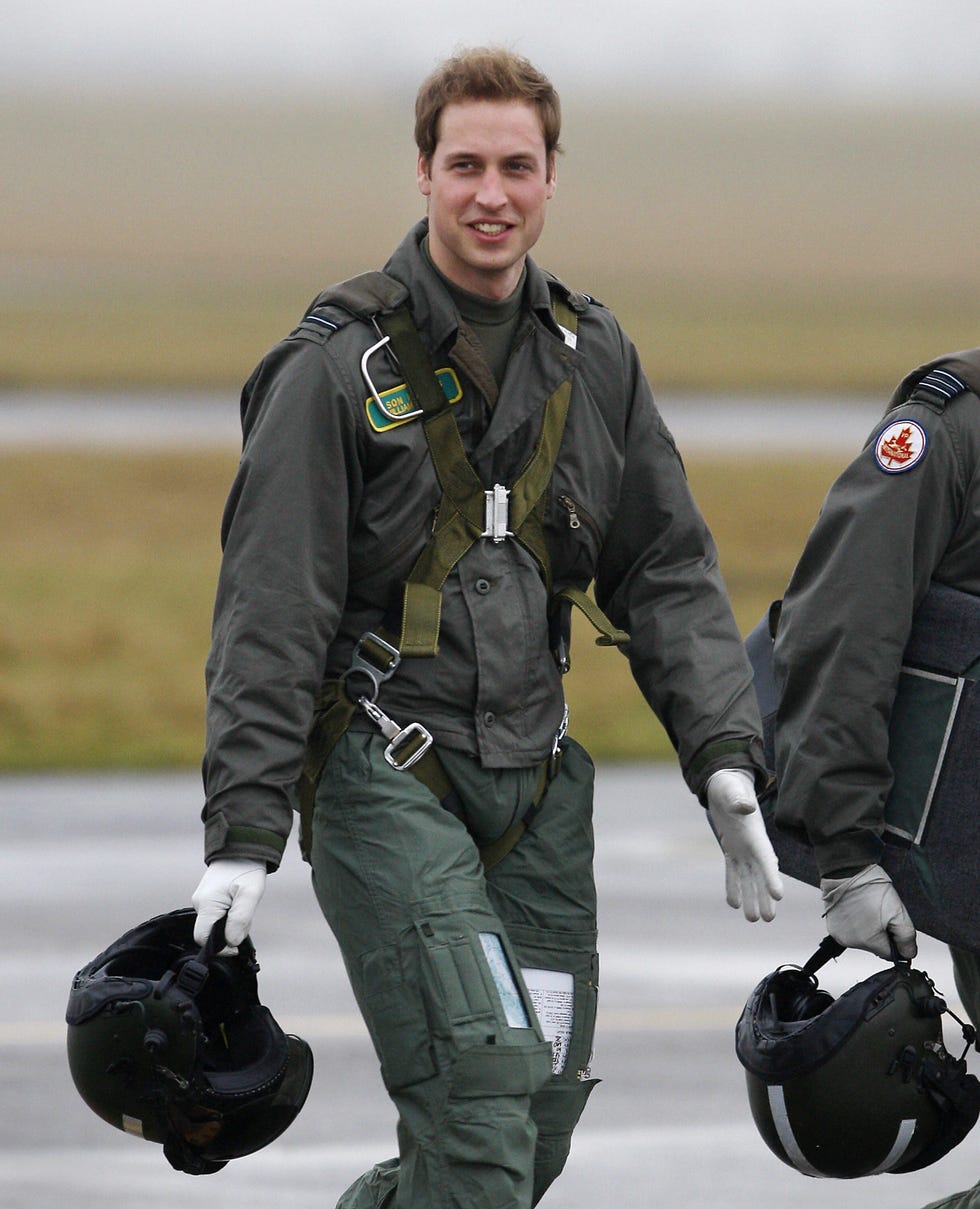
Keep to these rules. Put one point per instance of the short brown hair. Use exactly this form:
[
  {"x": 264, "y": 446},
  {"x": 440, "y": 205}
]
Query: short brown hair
[{"x": 485, "y": 73}]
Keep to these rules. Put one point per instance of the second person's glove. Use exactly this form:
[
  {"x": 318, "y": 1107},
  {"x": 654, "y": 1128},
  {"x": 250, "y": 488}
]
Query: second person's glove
[{"x": 865, "y": 912}]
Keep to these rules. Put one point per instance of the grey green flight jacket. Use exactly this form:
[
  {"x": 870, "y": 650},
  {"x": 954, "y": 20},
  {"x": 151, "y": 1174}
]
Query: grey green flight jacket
[
  {"x": 332, "y": 503},
  {"x": 904, "y": 513}
]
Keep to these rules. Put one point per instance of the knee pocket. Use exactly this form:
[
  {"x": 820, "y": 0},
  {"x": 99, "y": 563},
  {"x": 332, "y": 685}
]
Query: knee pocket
[
  {"x": 491, "y": 1070},
  {"x": 568, "y": 953}
]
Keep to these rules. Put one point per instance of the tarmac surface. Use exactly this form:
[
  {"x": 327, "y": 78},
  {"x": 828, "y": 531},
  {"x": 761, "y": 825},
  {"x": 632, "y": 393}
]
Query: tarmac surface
[
  {"x": 85, "y": 858},
  {"x": 724, "y": 426}
]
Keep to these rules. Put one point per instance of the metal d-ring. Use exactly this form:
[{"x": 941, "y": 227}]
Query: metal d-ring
[{"x": 369, "y": 353}]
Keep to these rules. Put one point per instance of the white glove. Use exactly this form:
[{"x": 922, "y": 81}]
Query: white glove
[
  {"x": 228, "y": 887},
  {"x": 752, "y": 879},
  {"x": 865, "y": 912}
]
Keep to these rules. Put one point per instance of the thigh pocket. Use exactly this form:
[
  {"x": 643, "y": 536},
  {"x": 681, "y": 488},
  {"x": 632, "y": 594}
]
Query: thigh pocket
[
  {"x": 394, "y": 1010},
  {"x": 479, "y": 1009}
]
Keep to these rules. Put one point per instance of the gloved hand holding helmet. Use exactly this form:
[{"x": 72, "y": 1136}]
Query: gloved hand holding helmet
[
  {"x": 859, "y": 1085},
  {"x": 169, "y": 1042},
  {"x": 231, "y": 888},
  {"x": 864, "y": 911},
  {"x": 752, "y": 879}
]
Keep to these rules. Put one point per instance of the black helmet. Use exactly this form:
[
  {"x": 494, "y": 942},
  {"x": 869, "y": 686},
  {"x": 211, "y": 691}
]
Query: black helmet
[
  {"x": 168, "y": 1041},
  {"x": 858, "y": 1085}
]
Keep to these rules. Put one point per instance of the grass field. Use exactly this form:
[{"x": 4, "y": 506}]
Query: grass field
[
  {"x": 109, "y": 570},
  {"x": 167, "y": 243}
]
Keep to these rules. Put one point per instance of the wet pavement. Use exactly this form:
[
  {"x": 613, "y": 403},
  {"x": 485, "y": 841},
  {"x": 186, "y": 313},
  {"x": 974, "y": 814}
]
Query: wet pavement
[
  {"x": 85, "y": 858},
  {"x": 714, "y": 423}
]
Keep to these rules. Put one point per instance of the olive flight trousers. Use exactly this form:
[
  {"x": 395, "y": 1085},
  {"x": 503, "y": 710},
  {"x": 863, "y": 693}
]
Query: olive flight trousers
[{"x": 435, "y": 948}]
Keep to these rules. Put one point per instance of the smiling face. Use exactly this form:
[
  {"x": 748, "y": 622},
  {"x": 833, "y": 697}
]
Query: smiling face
[{"x": 488, "y": 183}]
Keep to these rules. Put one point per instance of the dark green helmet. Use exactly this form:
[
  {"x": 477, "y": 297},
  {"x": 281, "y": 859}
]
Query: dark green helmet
[
  {"x": 169, "y": 1042},
  {"x": 857, "y": 1085}
]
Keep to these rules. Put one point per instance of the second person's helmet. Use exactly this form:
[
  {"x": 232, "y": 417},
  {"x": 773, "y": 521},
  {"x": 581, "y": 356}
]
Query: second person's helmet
[{"x": 857, "y": 1085}]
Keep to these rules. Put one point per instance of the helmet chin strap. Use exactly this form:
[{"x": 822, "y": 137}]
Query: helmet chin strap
[
  {"x": 192, "y": 973},
  {"x": 828, "y": 950},
  {"x": 185, "y": 1158}
]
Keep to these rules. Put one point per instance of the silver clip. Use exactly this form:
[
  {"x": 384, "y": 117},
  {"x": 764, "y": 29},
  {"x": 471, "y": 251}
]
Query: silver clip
[
  {"x": 554, "y": 760},
  {"x": 561, "y": 732},
  {"x": 369, "y": 353},
  {"x": 414, "y": 737},
  {"x": 497, "y": 513}
]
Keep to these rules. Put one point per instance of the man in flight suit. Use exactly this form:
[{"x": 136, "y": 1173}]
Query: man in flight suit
[
  {"x": 437, "y": 463},
  {"x": 904, "y": 514}
]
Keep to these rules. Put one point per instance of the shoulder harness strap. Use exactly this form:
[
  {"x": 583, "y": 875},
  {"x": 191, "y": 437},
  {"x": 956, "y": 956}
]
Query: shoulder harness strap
[
  {"x": 465, "y": 511},
  {"x": 461, "y": 519}
]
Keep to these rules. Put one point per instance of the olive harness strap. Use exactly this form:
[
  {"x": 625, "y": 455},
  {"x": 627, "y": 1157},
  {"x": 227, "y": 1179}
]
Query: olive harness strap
[{"x": 466, "y": 512}]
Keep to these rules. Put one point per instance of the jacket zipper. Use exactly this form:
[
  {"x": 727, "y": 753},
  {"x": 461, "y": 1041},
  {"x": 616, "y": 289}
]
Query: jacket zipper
[
  {"x": 579, "y": 518},
  {"x": 568, "y": 504}
]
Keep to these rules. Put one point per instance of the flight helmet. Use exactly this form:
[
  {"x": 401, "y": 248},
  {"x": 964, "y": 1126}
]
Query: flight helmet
[
  {"x": 857, "y": 1085},
  {"x": 167, "y": 1040}
]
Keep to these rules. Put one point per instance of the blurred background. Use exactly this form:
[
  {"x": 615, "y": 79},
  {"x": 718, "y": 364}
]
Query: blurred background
[
  {"x": 777, "y": 198},
  {"x": 775, "y": 194}
]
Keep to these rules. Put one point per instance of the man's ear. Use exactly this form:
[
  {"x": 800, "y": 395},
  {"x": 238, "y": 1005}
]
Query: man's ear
[
  {"x": 552, "y": 179},
  {"x": 422, "y": 175}
]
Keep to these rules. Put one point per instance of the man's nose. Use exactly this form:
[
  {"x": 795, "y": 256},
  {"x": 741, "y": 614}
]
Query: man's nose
[{"x": 491, "y": 192}]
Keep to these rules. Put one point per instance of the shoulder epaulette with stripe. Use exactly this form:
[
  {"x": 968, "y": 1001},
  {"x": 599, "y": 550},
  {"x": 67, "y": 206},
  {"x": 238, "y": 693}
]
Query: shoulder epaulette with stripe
[
  {"x": 940, "y": 383},
  {"x": 320, "y": 324}
]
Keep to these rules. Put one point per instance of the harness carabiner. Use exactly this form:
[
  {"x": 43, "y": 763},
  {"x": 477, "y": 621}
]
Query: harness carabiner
[
  {"x": 406, "y": 744},
  {"x": 554, "y": 760},
  {"x": 360, "y": 664}
]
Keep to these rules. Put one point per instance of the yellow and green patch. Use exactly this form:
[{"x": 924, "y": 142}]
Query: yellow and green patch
[{"x": 398, "y": 407}]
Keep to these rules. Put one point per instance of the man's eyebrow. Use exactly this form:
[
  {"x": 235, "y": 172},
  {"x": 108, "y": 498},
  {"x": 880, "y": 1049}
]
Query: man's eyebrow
[{"x": 462, "y": 153}]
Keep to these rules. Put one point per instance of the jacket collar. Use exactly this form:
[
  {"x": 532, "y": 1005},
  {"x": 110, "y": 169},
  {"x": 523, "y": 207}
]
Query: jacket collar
[
  {"x": 541, "y": 362},
  {"x": 432, "y": 307}
]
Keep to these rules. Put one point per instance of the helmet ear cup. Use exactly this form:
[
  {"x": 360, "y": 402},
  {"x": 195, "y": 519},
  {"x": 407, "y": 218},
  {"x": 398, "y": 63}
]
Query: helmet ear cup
[{"x": 801, "y": 999}]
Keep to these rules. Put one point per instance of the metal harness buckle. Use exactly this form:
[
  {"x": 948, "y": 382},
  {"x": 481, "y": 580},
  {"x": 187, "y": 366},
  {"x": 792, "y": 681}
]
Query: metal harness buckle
[
  {"x": 414, "y": 733},
  {"x": 414, "y": 737},
  {"x": 497, "y": 513},
  {"x": 360, "y": 663}
]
